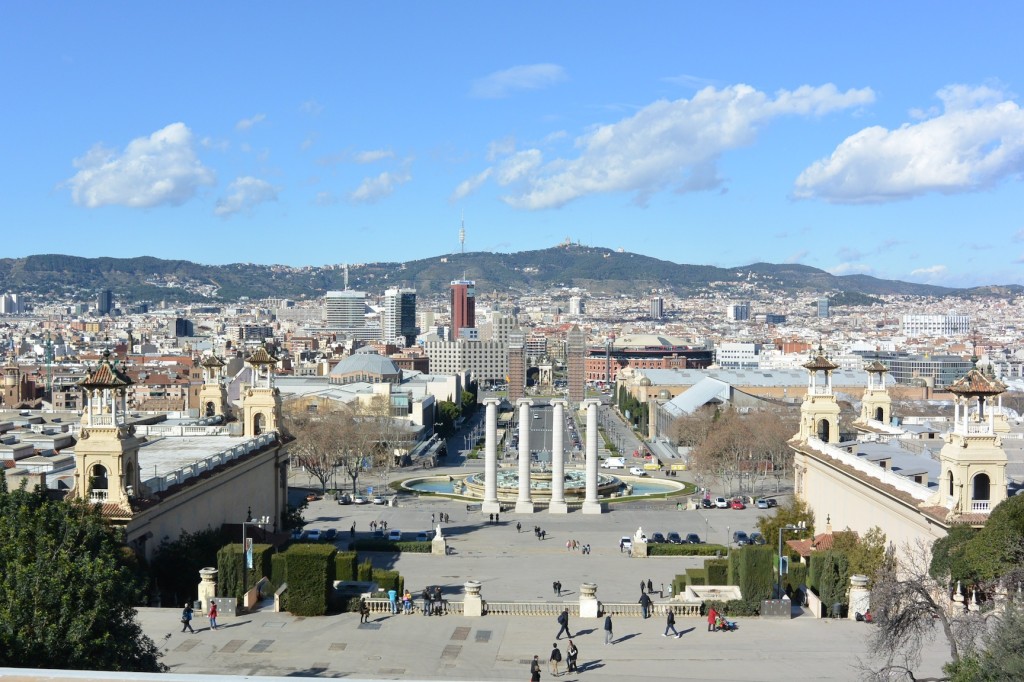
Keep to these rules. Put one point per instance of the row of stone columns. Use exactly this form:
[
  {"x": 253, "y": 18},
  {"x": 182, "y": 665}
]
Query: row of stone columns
[{"x": 524, "y": 500}]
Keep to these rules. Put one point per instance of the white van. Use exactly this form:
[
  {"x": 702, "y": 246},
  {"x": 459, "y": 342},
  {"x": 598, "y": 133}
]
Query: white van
[{"x": 614, "y": 463}]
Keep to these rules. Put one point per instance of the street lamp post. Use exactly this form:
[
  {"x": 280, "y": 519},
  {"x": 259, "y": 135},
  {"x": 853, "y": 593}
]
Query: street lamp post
[
  {"x": 246, "y": 543},
  {"x": 800, "y": 526}
]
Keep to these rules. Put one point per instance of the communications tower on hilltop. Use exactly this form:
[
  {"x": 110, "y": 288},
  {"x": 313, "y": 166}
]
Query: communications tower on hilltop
[{"x": 462, "y": 234}]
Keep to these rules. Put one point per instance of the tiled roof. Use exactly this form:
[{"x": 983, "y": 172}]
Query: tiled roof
[
  {"x": 976, "y": 383},
  {"x": 820, "y": 362},
  {"x": 261, "y": 357},
  {"x": 213, "y": 361},
  {"x": 106, "y": 376},
  {"x": 876, "y": 366}
]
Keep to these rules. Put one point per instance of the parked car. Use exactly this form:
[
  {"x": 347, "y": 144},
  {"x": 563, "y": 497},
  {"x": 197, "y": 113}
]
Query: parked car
[
  {"x": 297, "y": 534},
  {"x": 740, "y": 538},
  {"x": 757, "y": 539},
  {"x": 657, "y": 537},
  {"x": 637, "y": 471},
  {"x": 344, "y": 498},
  {"x": 424, "y": 536},
  {"x": 721, "y": 503},
  {"x": 330, "y": 534},
  {"x": 674, "y": 538},
  {"x": 313, "y": 535},
  {"x": 378, "y": 499},
  {"x": 358, "y": 499},
  {"x": 772, "y": 502},
  {"x": 394, "y": 535},
  {"x": 706, "y": 503},
  {"x": 737, "y": 504},
  {"x": 693, "y": 539},
  {"x": 762, "y": 504},
  {"x": 626, "y": 542},
  {"x": 312, "y": 497}
]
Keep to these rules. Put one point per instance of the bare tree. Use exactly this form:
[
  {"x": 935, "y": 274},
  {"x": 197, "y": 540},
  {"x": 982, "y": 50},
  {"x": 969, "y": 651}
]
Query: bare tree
[
  {"x": 911, "y": 608},
  {"x": 771, "y": 431},
  {"x": 318, "y": 447}
]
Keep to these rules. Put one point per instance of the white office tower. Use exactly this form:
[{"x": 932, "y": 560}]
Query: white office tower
[
  {"x": 738, "y": 312},
  {"x": 345, "y": 309},
  {"x": 657, "y": 307},
  {"x": 575, "y": 305},
  {"x": 398, "y": 322},
  {"x": 935, "y": 325},
  {"x": 9, "y": 304}
]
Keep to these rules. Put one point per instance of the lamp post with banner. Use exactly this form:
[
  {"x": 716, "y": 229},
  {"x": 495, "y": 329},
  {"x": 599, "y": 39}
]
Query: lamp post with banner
[{"x": 247, "y": 545}]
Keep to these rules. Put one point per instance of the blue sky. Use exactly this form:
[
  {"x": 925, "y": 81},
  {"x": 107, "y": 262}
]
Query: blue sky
[{"x": 879, "y": 138}]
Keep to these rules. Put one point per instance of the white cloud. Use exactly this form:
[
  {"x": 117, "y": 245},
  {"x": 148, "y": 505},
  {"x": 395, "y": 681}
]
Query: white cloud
[
  {"x": 467, "y": 187},
  {"x": 151, "y": 171},
  {"x": 503, "y": 147},
  {"x": 851, "y": 269},
  {"x": 974, "y": 144},
  {"x": 527, "y": 77},
  {"x": 247, "y": 123},
  {"x": 518, "y": 165},
  {"x": 930, "y": 274},
  {"x": 376, "y": 188},
  {"x": 373, "y": 155},
  {"x": 311, "y": 107},
  {"x": 243, "y": 194},
  {"x": 671, "y": 143}
]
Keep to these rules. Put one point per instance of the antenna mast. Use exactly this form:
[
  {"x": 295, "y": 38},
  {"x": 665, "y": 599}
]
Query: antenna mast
[{"x": 462, "y": 234}]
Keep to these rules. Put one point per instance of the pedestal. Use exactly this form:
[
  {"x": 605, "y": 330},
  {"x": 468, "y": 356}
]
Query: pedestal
[
  {"x": 439, "y": 545},
  {"x": 558, "y": 507},
  {"x": 860, "y": 596},
  {"x": 491, "y": 507},
  {"x": 472, "y": 604},
  {"x": 524, "y": 507},
  {"x": 589, "y": 606},
  {"x": 207, "y": 586},
  {"x": 592, "y": 507}
]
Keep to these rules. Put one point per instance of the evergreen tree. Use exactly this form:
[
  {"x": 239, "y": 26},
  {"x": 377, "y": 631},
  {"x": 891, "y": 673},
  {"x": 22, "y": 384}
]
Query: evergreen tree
[{"x": 67, "y": 589}]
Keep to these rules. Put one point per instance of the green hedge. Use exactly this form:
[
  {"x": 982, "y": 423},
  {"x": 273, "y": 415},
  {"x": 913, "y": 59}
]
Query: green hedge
[
  {"x": 388, "y": 580},
  {"x": 310, "y": 570},
  {"x": 679, "y": 584},
  {"x": 717, "y": 571},
  {"x": 230, "y": 560},
  {"x": 753, "y": 569},
  {"x": 797, "y": 576},
  {"x": 371, "y": 545},
  {"x": 668, "y": 549},
  {"x": 696, "y": 576},
  {"x": 364, "y": 572},
  {"x": 278, "y": 570},
  {"x": 346, "y": 566},
  {"x": 733, "y": 607},
  {"x": 831, "y": 571}
]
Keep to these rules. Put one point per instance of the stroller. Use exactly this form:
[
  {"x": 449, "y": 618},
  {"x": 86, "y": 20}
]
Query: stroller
[{"x": 724, "y": 625}]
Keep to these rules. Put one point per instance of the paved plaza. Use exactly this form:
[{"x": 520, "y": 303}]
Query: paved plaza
[{"x": 517, "y": 566}]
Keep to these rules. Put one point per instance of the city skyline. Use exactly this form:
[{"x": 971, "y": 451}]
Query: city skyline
[{"x": 329, "y": 134}]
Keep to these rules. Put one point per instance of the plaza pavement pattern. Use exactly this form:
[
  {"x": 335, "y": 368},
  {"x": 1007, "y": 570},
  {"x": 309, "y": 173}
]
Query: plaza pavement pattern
[{"x": 516, "y": 566}]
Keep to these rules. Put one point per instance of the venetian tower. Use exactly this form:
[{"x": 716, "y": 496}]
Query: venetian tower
[
  {"x": 107, "y": 452},
  {"x": 213, "y": 396},
  {"x": 819, "y": 413},
  {"x": 973, "y": 473},
  {"x": 261, "y": 406},
  {"x": 876, "y": 404},
  {"x": 12, "y": 384}
]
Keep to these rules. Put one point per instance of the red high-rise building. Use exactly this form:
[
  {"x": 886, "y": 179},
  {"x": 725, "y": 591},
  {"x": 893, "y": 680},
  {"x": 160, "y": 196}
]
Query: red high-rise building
[{"x": 463, "y": 306}]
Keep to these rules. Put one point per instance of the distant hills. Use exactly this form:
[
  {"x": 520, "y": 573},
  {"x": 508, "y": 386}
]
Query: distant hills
[{"x": 61, "y": 277}]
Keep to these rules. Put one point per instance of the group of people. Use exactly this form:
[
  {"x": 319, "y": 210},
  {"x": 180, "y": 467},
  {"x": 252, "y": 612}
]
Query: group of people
[
  {"x": 573, "y": 545},
  {"x": 441, "y": 516},
  {"x": 718, "y": 623},
  {"x": 188, "y": 613},
  {"x": 493, "y": 518},
  {"x": 540, "y": 533},
  {"x": 374, "y": 525}
]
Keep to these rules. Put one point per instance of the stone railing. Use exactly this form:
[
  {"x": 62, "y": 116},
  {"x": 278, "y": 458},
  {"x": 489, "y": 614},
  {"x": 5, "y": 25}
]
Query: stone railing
[
  {"x": 182, "y": 474},
  {"x": 633, "y": 610},
  {"x": 529, "y": 608},
  {"x": 384, "y": 606},
  {"x": 901, "y": 483}
]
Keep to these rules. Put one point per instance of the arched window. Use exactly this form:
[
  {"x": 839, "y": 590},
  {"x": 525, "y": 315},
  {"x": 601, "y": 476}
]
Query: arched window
[
  {"x": 980, "y": 488},
  {"x": 950, "y": 477},
  {"x": 259, "y": 423},
  {"x": 823, "y": 427},
  {"x": 98, "y": 477},
  {"x": 879, "y": 414},
  {"x": 211, "y": 409}
]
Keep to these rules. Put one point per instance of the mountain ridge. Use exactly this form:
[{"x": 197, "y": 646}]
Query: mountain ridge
[{"x": 60, "y": 276}]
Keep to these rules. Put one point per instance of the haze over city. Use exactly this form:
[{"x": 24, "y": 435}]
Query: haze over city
[{"x": 877, "y": 139}]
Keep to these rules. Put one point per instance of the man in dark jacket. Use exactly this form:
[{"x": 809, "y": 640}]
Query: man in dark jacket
[
  {"x": 555, "y": 660},
  {"x": 670, "y": 623},
  {"x": 563, "y": 620},
  {"x": 645, "y": 605},
  {"x": 608, "y": 636}
]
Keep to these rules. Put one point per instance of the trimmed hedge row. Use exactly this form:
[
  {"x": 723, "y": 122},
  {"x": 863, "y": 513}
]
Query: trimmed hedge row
[
  {"x": 310, "y": 571},
  {"x": 753, "y": 567},
  {"x": 346, "y": 566},
  {"x": 378, "y": 545},
  {"x": 668, "y": 549},
  {"x": 231, "y": 581}
]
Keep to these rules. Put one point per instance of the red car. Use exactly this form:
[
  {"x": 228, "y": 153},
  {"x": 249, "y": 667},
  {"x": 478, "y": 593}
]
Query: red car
[{"x": 737, "y": 504}]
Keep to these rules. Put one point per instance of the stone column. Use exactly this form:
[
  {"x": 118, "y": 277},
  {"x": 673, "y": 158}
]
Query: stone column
[
  {"x": 860, "y": 596},
  {"x": 491, "y": 504},
  {"x": 558, "y": 505},
  {"x": 524, "y": 503},
  {"x": 207, "y": 586},
  {"x": 472, "y": 604},
  {"x": 591, "y": 505},
  {"x": 589, "y": 608}
]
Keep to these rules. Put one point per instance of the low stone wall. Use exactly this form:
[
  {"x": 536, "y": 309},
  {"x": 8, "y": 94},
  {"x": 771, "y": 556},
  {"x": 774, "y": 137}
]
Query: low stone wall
[{"x": 549, "y": 609}]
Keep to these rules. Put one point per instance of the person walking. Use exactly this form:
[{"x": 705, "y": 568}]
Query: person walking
[
  {"x": 571, "y": 654},
  {"x": 650, "y": 586},
  {"x": 670, "y": 624},
  {"x": 563, "y": 620},
  {"x": 519, "y": 527},
  {"x": 645, "y": 605},
  {"x": 555, "y": 660},
  {"x": 364, "y": 611},
  {"x": 186, "y": 619},
  {"x": 535, "y": 669},
  {"x": 609, "y": 638},
  {"x": 712, "y": 618},
  {"x": 213, "y": 615},
  {"x": 557, "y": 587},
  {"x": 643, "y": 586}
]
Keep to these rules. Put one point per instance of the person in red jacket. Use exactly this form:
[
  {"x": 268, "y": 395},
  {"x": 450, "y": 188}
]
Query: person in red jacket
[{"x": 712, "y": 617}]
